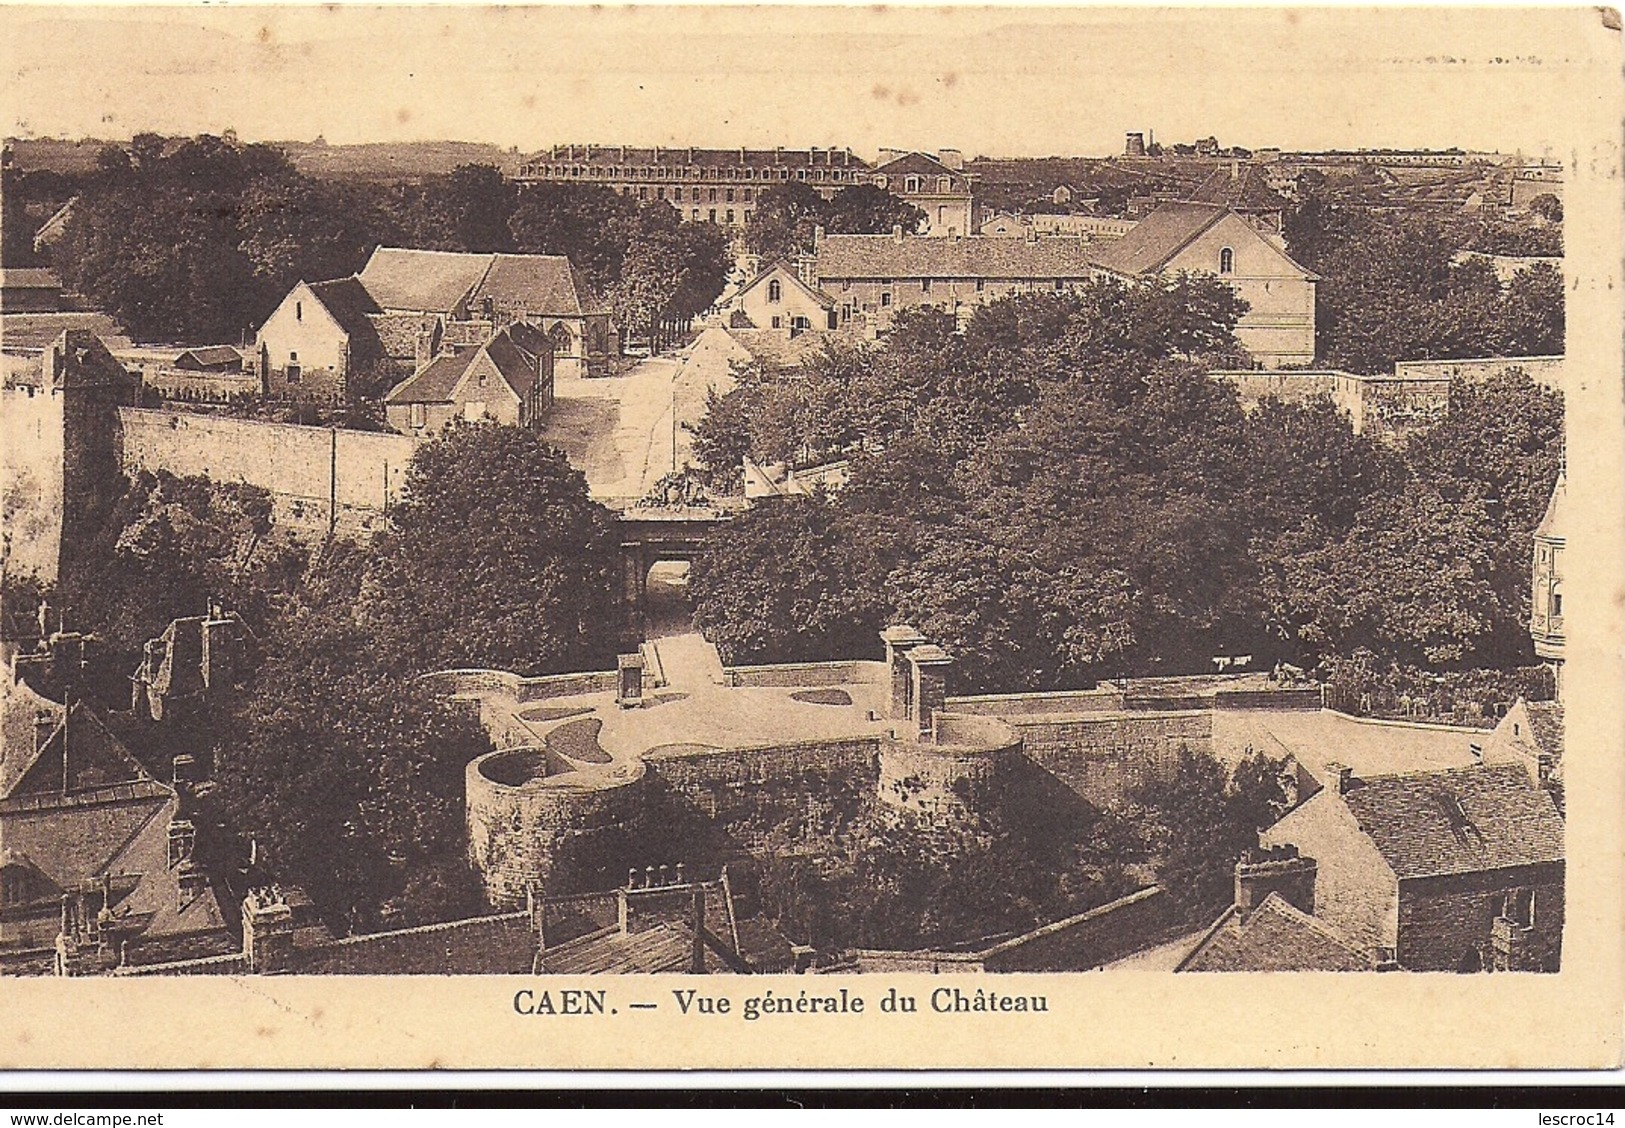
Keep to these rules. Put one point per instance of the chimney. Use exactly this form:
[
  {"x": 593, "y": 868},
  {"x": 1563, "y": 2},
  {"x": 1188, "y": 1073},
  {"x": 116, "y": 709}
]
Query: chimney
[
  {"x": 741, "y": 154},
  {"x": 1235, "y": 170},
  {"x": 182, "y": 837},
  {"x": 657, "y": 154},
  {"x": 622, "y": 158},
  {"x": 812, "y": 155},
  {"x": 818, "y": 236},
  {"x": 897, "y": 233},
  {"x": 778, "y": 154},
  {"x": 1343, "y": 777},
  {"x": 952, "y": 158},
  {"x": 1279, "y": 869},
  {"x": 267, "y": 931}
]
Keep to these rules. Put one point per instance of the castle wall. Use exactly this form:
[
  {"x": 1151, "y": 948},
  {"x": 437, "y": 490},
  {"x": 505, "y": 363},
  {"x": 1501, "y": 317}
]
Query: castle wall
[
  {"x": 1102, "y": 758},
  {"x": 31, "y": 462},
  {"x": 314, "y": 474},
  {"x": 538, "y": 834},
  {"x": 797, "y": 675},
  {"x": 955, "y": 780}
]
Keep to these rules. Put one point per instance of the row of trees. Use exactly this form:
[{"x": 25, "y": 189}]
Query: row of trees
[
  {"x": 1395, "y": 286},
  {"x": 196, "y": 242},
  {"x": 787, "y": 216},
  {"x": 1060, "y": 494}
]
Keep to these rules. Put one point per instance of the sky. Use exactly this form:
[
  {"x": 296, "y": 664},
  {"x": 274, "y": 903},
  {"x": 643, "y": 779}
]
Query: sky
[{"x": 1007, "y": 81}]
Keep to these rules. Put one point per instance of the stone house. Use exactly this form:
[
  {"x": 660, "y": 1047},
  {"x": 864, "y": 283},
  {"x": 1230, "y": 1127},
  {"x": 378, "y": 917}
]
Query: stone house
[
  {"x": 777, "y": 299},
  {"x": 507, "y": 379},
  {"x": 939, "y": 186},
  {"x": 317, "y": 340},
  {"x": 1454, "y": 870},
  {"x": 872, "y": 277},
  {"x": 1197, "y": 238}
]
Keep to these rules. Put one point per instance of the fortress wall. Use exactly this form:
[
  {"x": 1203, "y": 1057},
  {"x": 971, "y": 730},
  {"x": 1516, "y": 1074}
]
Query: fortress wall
[
  {"x": 31, "y": 462},
  {"x": 1102, "y": 758},
  {"x": 555, "y": 838},
  {"x": 306, "y": 469},
  {"x": 796, "y": 675}
]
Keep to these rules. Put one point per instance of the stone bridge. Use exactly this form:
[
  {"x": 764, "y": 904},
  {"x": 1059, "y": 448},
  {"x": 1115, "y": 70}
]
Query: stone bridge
[{"x": 651, "y": 534}]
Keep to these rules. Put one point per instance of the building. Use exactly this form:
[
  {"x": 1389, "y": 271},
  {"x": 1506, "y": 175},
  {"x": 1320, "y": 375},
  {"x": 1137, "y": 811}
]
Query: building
[
  {"x": 345, "y": 337},
  {"x": 778, "y": 299},
  {"x": 30, "y": 290},
  {"x": 1454, "y": 870},
  {"x": 318, "y": 341},
  {"x": 939, "y": 186},
  {"x": 1096, "y": 228},
  {"x": 96, "y": 864},
  {"x": 704, "y": 185},
  {"x": 1546, "y": 602},
  {"x": 196, "y": 659},
  {"x": 872, "y": 277},
  {"x": 507, "y": 379},
  {"x": 1278, "y": 328},
  {"x": 1244, "y": 188}
]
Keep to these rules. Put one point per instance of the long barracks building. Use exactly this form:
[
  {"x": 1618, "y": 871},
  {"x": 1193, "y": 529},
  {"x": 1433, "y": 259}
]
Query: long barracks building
[{"x": 719, "y": 185}]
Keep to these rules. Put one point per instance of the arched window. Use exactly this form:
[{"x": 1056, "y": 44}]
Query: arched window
[
  {"x": 774, "y": 291},
  {"x": 1227, "y": 261},
  {"x": 945, "y": 184},
  {"x": 911, "y": 184}
]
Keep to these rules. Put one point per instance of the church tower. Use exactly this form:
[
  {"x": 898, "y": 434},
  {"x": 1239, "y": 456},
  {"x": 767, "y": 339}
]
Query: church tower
[{"x": 1546, "y": 604}]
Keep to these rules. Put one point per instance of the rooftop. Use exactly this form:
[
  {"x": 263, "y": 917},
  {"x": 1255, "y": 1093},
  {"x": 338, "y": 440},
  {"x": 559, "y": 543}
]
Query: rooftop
[
  {"x": 1277, "y": 936},
  {"x": 399, "y": 278},
  {"x": 973, "y": 256}
]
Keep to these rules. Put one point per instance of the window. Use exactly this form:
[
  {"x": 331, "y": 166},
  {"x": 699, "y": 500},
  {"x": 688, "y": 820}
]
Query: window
[
  {"x": 881, "y": 181},
  {"x": 1519, "y": 907},
  {"x": 730, "y": 193},
  {"x": 711, "y": 196},
  {"x": 885, "y": 298},
  {"x": 775, "y": 321},
  {"x": 747, "y": 195},
  {"x": 911, "y": 184},
  {"x": 298, "y": 311},
  {"x": 1557, "y": 602},
  {"x": 643, "y": 193},
  {"x": 730, "y": 215},
  {"x": 1059, "y": 285},
  {"x": 418, "y": 415},
  {"x": 292, "y": 372},
  {"x": 713, "y": 210},
  {"x": 945, "y": 184},
  {"x": 1227, "y": 261},
  {"x": 747, "y": 215},
  {"x": 981, "y": 284},
  {"x": 774, "y": 290},
  {"x": 482, "y": 379},
  {"x": 696, "y": 199},
  {"x": 696, "y": 216},
  {"x": 925, "y": 285},
  {"x": 942, "y": 215}
]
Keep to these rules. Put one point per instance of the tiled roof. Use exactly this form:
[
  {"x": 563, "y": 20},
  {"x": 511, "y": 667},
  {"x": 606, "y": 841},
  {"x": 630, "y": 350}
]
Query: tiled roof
[
  {"x": 502, "y": 944},
  {"x": 545, "y": 285},
  {"x": 1160, "y": 236},
  {"x": 1555, "y": 522},
  {"x": 435, "y": 381},
  {"x": 211, "y": 355},
  {"x": 1463, "y": 820},
  {"x": 1546, "y": 726},
  {"x": 399, "y": 278},
  {"x": 666, "y": 947},
  {"x": 974, "y": 256},
  {"x": 1242, "y": 187},
  {"x": 1277, "y": 936},
  {"x": 349, "y": 303}
]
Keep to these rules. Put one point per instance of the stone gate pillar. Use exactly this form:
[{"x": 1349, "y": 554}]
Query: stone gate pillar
[
  {"x": 899, "y": 641},
  {"x": 930, "y": 681}
]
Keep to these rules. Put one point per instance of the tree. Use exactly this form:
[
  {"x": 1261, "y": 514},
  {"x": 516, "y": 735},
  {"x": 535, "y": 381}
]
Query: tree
[
  {"x": 349, "y": 779},
  {"x": 495, "y": 558},
  {"x": 584, "y": 222},
  {"x": 868, "y": 209},
  {"x": 476, "y": 202},
  {"x": 783, "y": 222},
  {"x": 1548, "y": 207},
  {"x": 1533, "y": 313}
]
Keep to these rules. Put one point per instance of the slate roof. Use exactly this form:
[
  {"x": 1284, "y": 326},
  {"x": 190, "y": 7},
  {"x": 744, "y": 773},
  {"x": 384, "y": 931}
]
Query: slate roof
[
  {"x": 973, "y": 256},
  {"x": 349, "y": 303},
  {"x": 399, "y": 278},
  {"x": 1160, "y": 236},
  {"x": 435, "y": 381},
  {"x": 1546, "y": 726},
  {"x": 664, "y": 948},
  {"x": 1463, "y": 820},
  {"x": 1278, "y": 936},
  {"x": 1554, "y": 524},
  {"x": 545, "y": 285},
  {"x": 1242, "y": 188}
]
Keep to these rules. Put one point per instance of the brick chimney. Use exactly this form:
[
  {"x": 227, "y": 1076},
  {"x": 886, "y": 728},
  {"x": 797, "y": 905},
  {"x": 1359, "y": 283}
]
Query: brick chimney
[
  {"x": 267, "y": 931},
  {"x": 1280, "y": 870},
  {"x": 1341, "y": 776}
]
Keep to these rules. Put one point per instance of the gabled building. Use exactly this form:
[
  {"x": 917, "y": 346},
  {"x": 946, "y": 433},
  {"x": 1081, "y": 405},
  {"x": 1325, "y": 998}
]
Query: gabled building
[
  {"x": 1455, "y": 870},
  {"x": 777, "y": 298},
  {"x": 1197, "y": 238},
  {"x": 872, "y": 277},
  {"x": 939, "y": 186},
  {"x": 96, "y": 861},
  {"x": 318, "y": 340},
  {"x": 507, "y": 379},
  {"x": 1244, "y": 188}
]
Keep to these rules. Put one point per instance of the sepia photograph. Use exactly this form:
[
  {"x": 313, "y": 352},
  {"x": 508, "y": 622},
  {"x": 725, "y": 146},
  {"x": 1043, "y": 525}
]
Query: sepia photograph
[{"x": 877, "y": 499}]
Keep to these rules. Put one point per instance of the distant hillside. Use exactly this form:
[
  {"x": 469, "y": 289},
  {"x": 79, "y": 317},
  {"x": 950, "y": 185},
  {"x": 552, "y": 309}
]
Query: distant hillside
[
  {"x": 394, "y": 160},
  {"x": 382, "y": 161}
]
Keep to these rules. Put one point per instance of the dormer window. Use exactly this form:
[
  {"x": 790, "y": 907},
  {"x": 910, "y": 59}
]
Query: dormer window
[
  {"x": 1227, "y": 261},
  {"x": 911, "y": 184},
  {"x": 945, "y": 184},
  {"x": 881, "y": 181}
]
